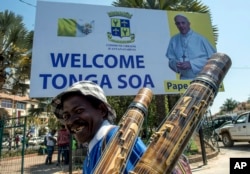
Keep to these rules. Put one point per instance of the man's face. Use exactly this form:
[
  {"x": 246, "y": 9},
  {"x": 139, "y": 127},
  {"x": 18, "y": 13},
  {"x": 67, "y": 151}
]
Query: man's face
[
  {"x": 182, "y": 24},
  {"x": 81, "y": 118}
]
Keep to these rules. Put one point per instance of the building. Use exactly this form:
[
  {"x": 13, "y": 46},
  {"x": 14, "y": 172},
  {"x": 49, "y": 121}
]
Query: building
[{"x": 17, "y": 107}]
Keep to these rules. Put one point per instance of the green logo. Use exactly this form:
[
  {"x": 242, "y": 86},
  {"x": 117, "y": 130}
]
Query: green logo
[{"x": 120, "y": 28}]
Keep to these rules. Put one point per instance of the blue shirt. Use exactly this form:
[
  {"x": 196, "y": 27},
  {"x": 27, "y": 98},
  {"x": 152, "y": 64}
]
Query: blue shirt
[
  {"x": 105, "y": 133},
  {"x": 95, "y": 151}
]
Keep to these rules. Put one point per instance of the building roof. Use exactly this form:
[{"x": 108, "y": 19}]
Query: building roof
[{"x": 14, "y": 97}]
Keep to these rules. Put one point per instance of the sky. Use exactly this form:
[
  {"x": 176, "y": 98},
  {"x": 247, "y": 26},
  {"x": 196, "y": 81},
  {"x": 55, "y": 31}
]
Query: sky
[{"x": 232, "y": 20}]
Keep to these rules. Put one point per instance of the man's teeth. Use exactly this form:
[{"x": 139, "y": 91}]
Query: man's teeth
[{"x": 78, "y": 129}]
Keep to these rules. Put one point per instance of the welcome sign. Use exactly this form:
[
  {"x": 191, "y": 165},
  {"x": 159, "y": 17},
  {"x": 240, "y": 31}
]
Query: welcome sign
[{"x": 121, "y": 49}]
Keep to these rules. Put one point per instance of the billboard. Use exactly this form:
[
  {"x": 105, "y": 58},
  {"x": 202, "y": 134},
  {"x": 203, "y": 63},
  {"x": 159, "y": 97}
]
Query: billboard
[{"x": 121, "y": 49}]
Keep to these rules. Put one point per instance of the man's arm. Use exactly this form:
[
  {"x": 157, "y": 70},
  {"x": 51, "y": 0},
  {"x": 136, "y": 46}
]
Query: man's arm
[{"x": 52, "y": 138}]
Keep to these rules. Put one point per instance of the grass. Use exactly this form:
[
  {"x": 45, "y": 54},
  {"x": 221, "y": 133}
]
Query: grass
[
  {"x": 18, "y": 152},
  {"x": 191, "y": 149}
]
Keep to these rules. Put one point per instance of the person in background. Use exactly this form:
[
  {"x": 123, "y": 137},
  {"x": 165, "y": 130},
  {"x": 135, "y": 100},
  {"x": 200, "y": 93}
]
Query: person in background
[
  {"x": 17, "y": 139},
  {"x": 26, "y": 140},
  {"x": 50, "y": 145},
  {"x": 85, "y": 111},
  {"x": 10, "y": 143},
  {"x": 63, "y": 140},
  {"x": 188, "y": 51},
  {"x": 74, "y": 146}
]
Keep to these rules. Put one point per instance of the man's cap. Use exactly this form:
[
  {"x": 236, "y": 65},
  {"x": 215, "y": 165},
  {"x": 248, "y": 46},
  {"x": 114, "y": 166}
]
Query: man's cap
[{"x": 86, "y": 88}]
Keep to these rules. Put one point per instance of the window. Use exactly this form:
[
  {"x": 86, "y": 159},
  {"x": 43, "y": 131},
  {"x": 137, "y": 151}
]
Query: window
[
  {"x": 6, "y": 103},
  {"x": 217, "y": 122},
  {"x": 20, "y": 105},
  {"x": 242, "y": 119}
]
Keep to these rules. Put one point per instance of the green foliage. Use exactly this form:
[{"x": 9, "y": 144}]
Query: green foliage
[
  {"x": 192, "y": 148},
  {"x": 229, "y": 105},
  {"x": 53, "y": 123},
  {"x": 171, "y": 5},
  {"x": 4, "y": 115},
  {"x": 15, "y": 153},
  {"x": 15, "y": 41},
  {"x": 248, "y": 100},
  {"x": 158, "y": 113},
  {"x": 43, "y": 106},
  {"x": 42, "y": 131},
  {"x": 121, "y": 104}
]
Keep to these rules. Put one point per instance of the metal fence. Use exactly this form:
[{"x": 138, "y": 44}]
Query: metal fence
[{"x": 16, "y": 157}]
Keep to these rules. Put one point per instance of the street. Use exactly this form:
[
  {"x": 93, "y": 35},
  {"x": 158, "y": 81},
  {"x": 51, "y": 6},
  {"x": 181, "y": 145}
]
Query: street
[{"x": 220, "y": 164}]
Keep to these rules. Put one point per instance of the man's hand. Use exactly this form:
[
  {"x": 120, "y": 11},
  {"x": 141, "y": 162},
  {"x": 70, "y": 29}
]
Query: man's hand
[{"x": 183, "y": 65}]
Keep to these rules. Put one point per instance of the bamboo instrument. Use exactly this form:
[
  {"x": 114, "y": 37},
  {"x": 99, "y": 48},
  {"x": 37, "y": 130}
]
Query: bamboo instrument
[
  {"x": 167, "y": 144},
  {"x": 117, "y": 152}
]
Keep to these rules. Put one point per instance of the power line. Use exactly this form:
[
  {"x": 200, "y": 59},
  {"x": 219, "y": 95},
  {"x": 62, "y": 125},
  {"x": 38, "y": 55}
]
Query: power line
[{"x": 27, "y": 3}]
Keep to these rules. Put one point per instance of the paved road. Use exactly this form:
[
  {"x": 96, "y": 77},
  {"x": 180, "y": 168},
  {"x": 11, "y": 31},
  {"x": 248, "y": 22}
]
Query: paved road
[
  {"x": 220, "y": 164},
  {"x": 217, "y": 165}
]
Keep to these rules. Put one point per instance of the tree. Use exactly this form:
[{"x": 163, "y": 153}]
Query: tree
[
  {"x": 121, "y": 104},
  {"x": 173, "y": 5},
  {"x": 229, "y": 105},
  {"x": 4, "y": 115},
  {"x": 43, "y": 106},
  {"x": 15, "y": 58},
  {"x": 248, "y": 100}
]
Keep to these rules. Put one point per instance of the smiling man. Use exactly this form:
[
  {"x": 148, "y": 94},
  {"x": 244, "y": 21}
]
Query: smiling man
[
  {"x": 86, "y": 113},
  {"x": 84, "y": 110}
]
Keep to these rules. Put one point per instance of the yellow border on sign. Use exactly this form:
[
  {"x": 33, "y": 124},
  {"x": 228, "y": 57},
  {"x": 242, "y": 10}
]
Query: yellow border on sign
[
  {"x": 199, "y": 22},
  {"x": 180, "y": 86}
]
